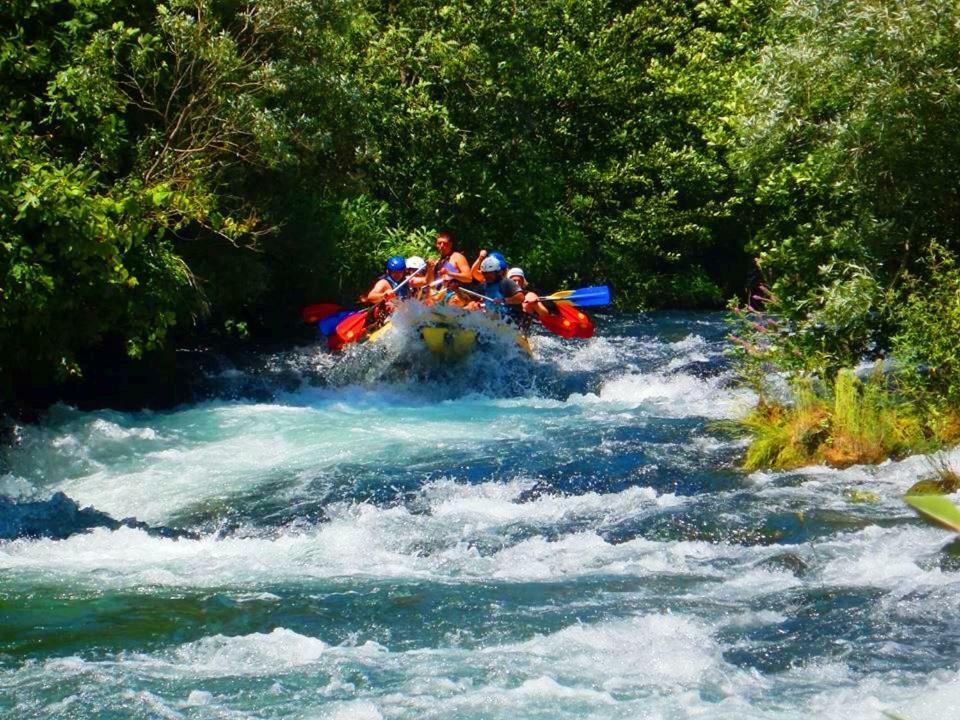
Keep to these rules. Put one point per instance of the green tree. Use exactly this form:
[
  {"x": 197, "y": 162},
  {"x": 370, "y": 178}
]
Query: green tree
[
  {"x": 131, "y": 135},
  {"x": 847, "y": 148}
]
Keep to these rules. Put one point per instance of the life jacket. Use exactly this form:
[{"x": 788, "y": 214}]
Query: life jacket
[
  {"x": 403, "y": 293},
  {"x": 445, "y": 263},
  {"x": 494, "y": 291}
]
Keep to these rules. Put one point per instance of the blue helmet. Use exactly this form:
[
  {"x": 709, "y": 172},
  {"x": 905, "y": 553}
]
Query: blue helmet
[
  {"x": 397, "y": 264},
  {"x": 501, "y": 259}
]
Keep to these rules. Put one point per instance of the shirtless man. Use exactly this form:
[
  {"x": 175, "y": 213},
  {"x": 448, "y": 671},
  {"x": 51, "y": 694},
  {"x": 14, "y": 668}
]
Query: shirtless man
[{"x": 451, "y": 265}]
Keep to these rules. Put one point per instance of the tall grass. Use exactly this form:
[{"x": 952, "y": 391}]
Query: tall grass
[{"x": 846, "y": 423}]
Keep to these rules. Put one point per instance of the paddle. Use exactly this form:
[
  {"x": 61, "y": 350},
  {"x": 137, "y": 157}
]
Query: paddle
[
  {"x": 478, "y": 295},
  {"x": 317, "y": 312},
  {"x": 582, "y": 325},
  {"x": 328, "y": 326},
  {"x": 584, "y": 297},
  {"x": 570, "y": 323},
  {"x": 354, "y": 326},
  {"x": 558, "y": 325}
]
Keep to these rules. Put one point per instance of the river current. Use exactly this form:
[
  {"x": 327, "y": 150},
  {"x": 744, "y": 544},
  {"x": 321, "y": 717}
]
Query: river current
[{"x": 563, "y": 537}]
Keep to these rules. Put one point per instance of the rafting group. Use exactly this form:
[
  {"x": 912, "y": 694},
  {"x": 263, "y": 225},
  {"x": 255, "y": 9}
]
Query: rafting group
[{"x": 451, "y": 286}]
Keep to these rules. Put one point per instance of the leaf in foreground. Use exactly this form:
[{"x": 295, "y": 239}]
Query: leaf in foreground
[{"x": 936, "y": 509}]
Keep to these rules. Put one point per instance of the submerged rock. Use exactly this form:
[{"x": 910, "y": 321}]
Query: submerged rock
[
  {"x": 60, "y": 517},
  {"x": 791, "y": 562}
]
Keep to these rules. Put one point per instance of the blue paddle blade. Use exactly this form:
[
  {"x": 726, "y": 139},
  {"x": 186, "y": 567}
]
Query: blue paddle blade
[
  {"x": 328, "y": 325},
  {"x": 584, "y": 297}
]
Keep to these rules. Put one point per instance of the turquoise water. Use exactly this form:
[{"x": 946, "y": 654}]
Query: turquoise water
[{"x": 566, "y": 537}]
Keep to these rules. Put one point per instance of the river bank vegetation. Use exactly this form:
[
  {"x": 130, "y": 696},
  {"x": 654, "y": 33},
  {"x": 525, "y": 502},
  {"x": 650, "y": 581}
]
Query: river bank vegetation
[
  {"x": 197, "y": 170},
  {"x": 843, "y": 144}
]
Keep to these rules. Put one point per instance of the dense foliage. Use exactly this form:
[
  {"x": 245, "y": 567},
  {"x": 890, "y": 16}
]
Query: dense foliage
[
  {"x": 209, "y": 166},
  {"x": 201, "y": 162},
  {"x": 847, "y": 144},
  {"x": 130, "y": 133}
]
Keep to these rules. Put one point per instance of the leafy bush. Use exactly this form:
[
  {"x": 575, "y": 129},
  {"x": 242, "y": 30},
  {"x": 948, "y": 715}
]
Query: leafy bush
[
  {"x": 848, "y": 150},
  {"x": 928, "y": 323},
  {"x": 167, "y": 163}
]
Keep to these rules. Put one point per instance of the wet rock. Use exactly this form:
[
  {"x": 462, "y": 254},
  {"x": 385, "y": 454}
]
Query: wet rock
[
  {"x": 949, "y": 558},
  {"x": 60, "y": 517},
  {"x": 788, "y": 561},
  {"x": 855, "y": 495},
  {"x": 944, "y": 484}
]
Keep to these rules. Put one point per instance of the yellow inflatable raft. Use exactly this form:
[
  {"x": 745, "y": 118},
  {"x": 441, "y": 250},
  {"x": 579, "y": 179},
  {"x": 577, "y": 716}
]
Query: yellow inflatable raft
[{"x": 452, "y": 334}]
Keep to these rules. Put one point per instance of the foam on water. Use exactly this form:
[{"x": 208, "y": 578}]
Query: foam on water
[
  {"x": 557, "y": 538},
  {"x": 664, "y": 665},
  {"x": 675, "y": 395},
  {"x": 362, "y": 540},
  {"x": 155, "y": 466}
]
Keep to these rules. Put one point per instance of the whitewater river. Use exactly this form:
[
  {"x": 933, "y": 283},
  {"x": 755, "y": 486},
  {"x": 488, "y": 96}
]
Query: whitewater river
[{"x": 567, "y": 537}]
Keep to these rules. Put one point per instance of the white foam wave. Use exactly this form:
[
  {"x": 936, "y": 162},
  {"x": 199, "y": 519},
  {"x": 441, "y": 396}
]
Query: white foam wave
[
  {"x": 259, "y": 654},
  {"x": 495, "y": 504},
  {"x": 224, "y": 449},
  {"x": 674, "y": 395},
  {"x": 363, "y": 540},
  {"x": 354, "y": 710},
  {"x": 365, "y": 547},
  {"x": 654, "y": 666},
  {"x": 650, "y": 650},
  {"x": 16, "y": 488},
  {"x": 891, "y": 558}
]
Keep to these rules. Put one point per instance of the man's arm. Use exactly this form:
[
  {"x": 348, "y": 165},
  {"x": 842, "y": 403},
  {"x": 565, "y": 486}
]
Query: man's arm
[
  {"x": 475, "y": 273},
  {"x": 380, "y": 291},
  {"x": 512, "y": 294},
  {"x": 464, "y": 272}
]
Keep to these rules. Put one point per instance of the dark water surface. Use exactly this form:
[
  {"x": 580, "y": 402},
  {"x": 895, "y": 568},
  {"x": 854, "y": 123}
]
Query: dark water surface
[{"x": 561, "y": 538}]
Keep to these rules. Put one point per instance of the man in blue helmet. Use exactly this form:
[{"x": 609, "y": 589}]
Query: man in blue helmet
[{"x": 385, "y": 287}]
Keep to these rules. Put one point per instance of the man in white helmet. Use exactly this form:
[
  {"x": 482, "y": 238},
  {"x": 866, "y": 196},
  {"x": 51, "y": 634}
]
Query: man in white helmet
[
  {"x": 422, "y": 273},
  {"x": 506, "y": 295},
  {"x": 531, "y": 301}
]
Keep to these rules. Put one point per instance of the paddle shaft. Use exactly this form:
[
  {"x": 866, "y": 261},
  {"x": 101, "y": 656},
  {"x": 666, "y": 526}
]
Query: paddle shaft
[
  {"x": 501, "y": 301},
  {"x": 356, "y": 325},
  {"x": 401, "y": 284},
  {"x": 475, "y": 294}
]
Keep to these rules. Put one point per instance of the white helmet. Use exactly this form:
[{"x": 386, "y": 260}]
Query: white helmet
[
  {"x": 490, "y": 264},
  {"x": 516, "y": 272},
  {"x": 416, "y": 263}
]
